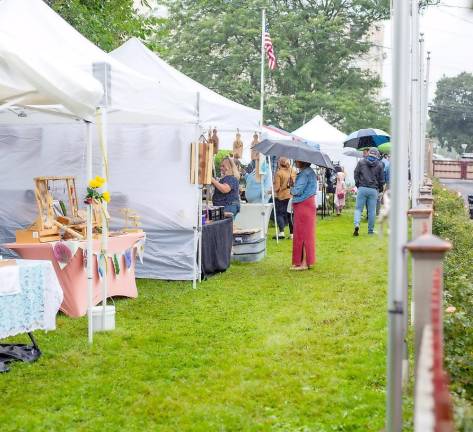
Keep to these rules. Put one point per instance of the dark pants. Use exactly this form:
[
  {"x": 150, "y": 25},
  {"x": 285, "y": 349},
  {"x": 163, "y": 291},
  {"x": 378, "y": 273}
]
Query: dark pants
[
  {"x": 283, "y": 217},
  {"x": 232, "y": 208}
]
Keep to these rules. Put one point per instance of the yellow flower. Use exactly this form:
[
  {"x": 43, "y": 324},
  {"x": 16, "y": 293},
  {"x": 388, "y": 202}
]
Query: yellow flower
[
  {"x": 93, "y": 184},
  {"x": 106, "y": 196},
  {"x": 100, "y": 181}
]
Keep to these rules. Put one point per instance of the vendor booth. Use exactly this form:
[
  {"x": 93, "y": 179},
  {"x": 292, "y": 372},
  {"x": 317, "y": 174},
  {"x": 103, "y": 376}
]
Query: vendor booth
[
  {"x": 149, "y": 127},
  {"x": 330, "y": 140}
]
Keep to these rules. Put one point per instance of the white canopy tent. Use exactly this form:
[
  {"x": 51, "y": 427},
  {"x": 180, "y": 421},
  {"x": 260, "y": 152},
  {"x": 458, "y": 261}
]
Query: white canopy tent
[
  {"x": 214, "y": 110},
  {"x": 330, "y": 140},
  {"x": 150, "y": 128}
]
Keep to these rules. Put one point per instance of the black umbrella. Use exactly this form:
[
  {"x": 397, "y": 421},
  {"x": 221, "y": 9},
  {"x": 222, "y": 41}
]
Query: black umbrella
[{"x": 294, "y": 150}]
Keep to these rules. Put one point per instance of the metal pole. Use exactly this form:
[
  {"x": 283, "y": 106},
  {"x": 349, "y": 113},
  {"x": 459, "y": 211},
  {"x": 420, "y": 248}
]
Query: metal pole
[
  {"x": 200, "y": 194},
  {"x": 415, "y": 113},
  {"x": 198, "y": 223},
  {"x": 270, "y": 172},
  {"x": 425, "y": 113},
  {"x": 398, "y": 214},
  {"x": 263, "y": 26},
  {"x": 104, "y": 247},
  {"x": 90, "y": 286},
  {"x": 420, "y": 84}
]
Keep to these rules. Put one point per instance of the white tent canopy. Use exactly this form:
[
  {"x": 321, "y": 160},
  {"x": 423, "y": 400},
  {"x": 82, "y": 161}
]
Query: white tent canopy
[
  {"x": 330, "y": 140},
  {"x": 214, "y": 109},
  {"x": 27, "y": 74},
  {"x": 151, "y": 126},
  {"x": 49, "y": 62}
]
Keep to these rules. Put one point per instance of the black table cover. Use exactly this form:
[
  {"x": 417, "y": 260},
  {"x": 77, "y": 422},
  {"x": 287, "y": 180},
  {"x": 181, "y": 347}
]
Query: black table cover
[{"x": 217, "y": 240}]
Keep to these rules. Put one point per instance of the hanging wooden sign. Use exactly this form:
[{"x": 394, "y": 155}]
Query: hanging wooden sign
[{"x": 205, "y": 163}]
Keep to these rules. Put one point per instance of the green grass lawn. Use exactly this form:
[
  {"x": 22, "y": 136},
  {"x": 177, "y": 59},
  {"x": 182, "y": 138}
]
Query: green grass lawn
[{"x": 256, "y": 348}]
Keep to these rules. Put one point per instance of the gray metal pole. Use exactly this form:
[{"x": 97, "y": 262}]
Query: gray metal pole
[
  {"x": 415, "y": 113},
  {"x": 420, "y": 83},
  {"x": 425, "y": 111},
  {"x": 398, "y": 216}
]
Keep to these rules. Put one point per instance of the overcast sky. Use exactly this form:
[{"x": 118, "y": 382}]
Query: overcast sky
[{"x": 448, "y": 34}]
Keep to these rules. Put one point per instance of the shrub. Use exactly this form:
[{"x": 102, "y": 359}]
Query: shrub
[{"x": 451, "y": 222}]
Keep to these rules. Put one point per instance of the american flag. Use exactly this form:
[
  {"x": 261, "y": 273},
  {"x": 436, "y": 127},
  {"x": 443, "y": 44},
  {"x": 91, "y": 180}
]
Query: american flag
[{"x": 268, "y": 46}]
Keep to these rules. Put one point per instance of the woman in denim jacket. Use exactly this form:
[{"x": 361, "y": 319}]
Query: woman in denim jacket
[{"x": 303, "y": 204}]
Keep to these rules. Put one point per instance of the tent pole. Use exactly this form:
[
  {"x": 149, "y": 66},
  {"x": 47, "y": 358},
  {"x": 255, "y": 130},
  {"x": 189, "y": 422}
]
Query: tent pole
[
  {"x": 270, "y": 172},
  {"x": 199, "y": 196},
  {"x": 104, "y": 246},
  {"x": 90, "y": 328},
  {"x": 198, "y": 224}
]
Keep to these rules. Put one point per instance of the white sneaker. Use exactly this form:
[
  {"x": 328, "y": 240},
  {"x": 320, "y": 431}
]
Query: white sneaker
[{"x": 292, "y": 236}]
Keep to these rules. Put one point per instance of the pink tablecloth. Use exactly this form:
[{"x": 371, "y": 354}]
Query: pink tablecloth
[{"x": 73, "y": 278}]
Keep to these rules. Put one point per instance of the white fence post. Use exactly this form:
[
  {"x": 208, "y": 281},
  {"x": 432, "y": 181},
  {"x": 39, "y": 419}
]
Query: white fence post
[
  {"x": 421, "y": 220},
  {"x": 427, "y": 252}
]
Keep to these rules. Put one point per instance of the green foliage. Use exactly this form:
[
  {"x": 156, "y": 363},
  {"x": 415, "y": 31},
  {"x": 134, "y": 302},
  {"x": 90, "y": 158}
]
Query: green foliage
[
  {"x": 222, "y": 154},
  {"x": 317, "y": 45},
  {"x": 452, "y": 112},
  {"x": 258, "y": 348},
  {"x": 451, "y": 222},
  {"x": 107, "y": 23}
]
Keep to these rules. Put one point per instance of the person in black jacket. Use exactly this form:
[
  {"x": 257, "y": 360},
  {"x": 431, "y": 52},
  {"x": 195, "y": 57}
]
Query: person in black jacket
[{"x": 369, "y": 179}]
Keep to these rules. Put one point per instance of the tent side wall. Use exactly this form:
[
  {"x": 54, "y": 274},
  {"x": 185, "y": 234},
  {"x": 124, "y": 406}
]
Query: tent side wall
[{"x": 149, "y": 172}]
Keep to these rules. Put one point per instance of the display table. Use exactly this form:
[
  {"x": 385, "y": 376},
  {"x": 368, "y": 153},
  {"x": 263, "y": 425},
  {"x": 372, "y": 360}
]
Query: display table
[
  {"x": 254, "y": 216},
  {"x": 217, "y": 240},
  {"x": 73, "y": 277},
  {"x": 30, "y": 297}
]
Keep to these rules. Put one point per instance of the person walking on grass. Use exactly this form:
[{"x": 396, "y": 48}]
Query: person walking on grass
[
  {"x": 283, "y": 182},
  {"x": 340, "y": 190},
  {"x": 303, "y": 204},
  {"x": 369, "y": 180}
]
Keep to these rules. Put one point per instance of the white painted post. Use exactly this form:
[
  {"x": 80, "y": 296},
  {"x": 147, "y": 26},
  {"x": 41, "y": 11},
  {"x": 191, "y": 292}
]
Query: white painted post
[
  {"x": 428, "y": 252},
  {"x": 426, "y": 200},
  {"x": 421, "y": 220},
  {"x": 398, "y": 215}
]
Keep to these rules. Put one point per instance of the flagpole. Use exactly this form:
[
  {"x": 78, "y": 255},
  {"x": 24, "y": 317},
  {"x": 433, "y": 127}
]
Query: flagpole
[{"x": 263, "y": 26}]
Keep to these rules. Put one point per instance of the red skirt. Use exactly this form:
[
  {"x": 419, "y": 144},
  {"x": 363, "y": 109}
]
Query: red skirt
[{"x": 304, "y": 231}]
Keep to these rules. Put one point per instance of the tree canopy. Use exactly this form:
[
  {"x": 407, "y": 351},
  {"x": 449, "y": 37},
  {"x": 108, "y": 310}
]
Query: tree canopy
[
  {"x": 217, "y": 42},
  {"x": 107, "y": 23},
  {"x": 452, "y": 112},
  {"x": 317, "y": 45}
]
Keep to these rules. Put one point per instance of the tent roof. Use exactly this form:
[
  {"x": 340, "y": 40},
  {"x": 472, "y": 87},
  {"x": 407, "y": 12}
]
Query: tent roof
[
  {"x": 45, "y": 61},
  {"x": 214, "y": 109},
  {"x": 274, "y": 133},
  {"x": 28, "y": 74},
  {"x": 322, "y": 132}
]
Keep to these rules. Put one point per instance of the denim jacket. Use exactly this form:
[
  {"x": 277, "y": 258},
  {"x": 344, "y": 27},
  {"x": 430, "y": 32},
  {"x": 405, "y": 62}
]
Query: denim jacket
[{"x": 305, "y": 185}]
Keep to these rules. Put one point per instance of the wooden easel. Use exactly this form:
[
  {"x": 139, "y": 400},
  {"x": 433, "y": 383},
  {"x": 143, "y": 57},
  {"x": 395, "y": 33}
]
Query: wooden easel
[{"x": 48, "y": 225}]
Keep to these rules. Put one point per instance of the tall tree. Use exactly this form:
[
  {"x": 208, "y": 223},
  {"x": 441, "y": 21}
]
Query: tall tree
[
  {"x": 452, "y": 112},
  {"x": 317, "y": 44},
  {"x": 108, "y": 23}
]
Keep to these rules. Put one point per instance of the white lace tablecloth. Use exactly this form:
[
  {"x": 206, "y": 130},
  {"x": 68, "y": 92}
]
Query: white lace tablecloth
[{"x": 33, "y": 305}]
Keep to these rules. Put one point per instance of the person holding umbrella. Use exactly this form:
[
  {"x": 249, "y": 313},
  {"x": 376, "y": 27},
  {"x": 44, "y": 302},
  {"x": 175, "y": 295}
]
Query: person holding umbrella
[
  {"x": 303, "y": 204},
  {"x": 283, "y": 181},
  {"x": 369, "y": 180}
]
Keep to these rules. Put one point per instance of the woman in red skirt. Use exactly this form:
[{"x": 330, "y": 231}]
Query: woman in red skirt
[{"x": 303, "y": 205}]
